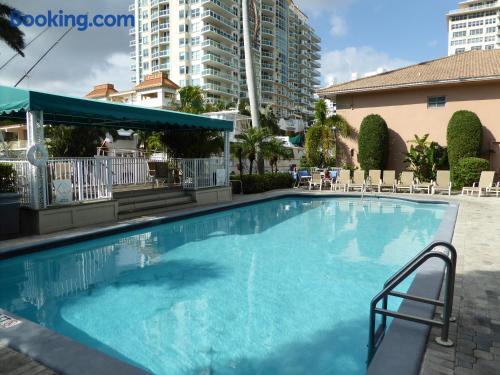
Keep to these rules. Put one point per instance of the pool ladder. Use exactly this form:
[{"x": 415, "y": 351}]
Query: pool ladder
[{"x": 450, "y": 261}]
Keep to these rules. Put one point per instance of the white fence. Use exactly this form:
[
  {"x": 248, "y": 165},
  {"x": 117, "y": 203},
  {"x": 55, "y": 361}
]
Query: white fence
[
  {"x": 203, "y": 173},
  {"x": 73, "y": 180}
]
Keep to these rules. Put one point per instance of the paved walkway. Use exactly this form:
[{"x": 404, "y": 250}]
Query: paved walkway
[
  {"x": 14, "y": 363},
  {"x": 477, "y": 296}
]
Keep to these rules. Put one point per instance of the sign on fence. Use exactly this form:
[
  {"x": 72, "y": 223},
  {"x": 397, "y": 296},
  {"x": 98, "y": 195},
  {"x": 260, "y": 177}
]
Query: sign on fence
[{"x": 63, "y": 191}]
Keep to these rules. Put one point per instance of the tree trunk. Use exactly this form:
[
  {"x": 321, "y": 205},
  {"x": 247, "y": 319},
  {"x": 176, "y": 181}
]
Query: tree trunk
[
  {"x": 250, "y": 74},
  {"x": 251, "y": 166}
]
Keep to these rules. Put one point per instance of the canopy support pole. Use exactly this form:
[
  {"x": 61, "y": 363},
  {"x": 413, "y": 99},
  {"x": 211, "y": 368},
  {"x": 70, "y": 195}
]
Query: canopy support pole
[
  {"x": 226, "y": 155},
  {"x": 37, "y": 178}
]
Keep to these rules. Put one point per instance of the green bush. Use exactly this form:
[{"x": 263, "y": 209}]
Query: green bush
[
  {"x": 464, "y": 137},
  {"x": 373, "y": 143},
  {"x": 467, "y": 171},
  {"x": 256, "y": 183},
  {"x": 7, "y": 178}
]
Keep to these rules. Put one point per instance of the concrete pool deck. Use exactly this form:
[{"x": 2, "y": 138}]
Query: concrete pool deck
[{"x": 477, "y": 300}]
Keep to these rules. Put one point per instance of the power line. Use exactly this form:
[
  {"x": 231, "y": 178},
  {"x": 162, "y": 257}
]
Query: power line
[
  {"x": 32, "y": 40},
  {"x": 42, "y": 57}
]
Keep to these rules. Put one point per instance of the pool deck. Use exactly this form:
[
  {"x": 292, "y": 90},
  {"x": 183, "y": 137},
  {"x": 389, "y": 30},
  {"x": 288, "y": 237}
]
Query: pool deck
[{"x": 477, "y": 291}]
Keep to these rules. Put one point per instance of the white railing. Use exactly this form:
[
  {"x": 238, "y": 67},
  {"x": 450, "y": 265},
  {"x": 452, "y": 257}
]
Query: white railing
[
  {"x": 203, "y": 173},
  {"x": 78, "y": 180},
  {"x": 129, "y": 171}
]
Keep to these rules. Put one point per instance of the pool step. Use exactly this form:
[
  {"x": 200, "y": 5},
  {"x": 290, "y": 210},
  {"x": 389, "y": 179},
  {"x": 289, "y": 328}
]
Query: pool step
[{"x": 150, "y": 201}]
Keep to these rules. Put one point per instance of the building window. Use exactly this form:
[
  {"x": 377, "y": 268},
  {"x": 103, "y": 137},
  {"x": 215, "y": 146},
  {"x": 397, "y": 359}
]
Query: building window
[
  {"x": 436, "y": 101},
  {"x": 476, "y": 48},
  {"x": 460, "y": 50}
]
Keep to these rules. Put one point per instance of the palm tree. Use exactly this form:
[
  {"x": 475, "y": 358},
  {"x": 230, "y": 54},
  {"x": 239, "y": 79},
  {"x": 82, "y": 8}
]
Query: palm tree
[
  {"x": 251, "y": 140},
  {"x": 191, "y": 99},
  {"x": 321, "y": 138},
  {"x": 10, "y": 34},
  {"x": 273, "y": 150}
]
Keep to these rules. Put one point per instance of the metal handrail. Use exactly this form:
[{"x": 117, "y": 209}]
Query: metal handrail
[{"x": 450, "y": 260}]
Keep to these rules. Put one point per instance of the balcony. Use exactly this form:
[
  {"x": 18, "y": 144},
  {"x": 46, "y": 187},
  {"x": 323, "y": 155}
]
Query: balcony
[
  {"x": 267, "y": 66},
  {"x": 214, "y": 73},
  {"x": 132, "y": 43},
  {"x": 217, "y": 5},
  {"x": 218, "y": 20},
  {"x": 267, "y": 8},
  {"x": 164, "y": 26},
  {"x": 211, "y": 87},
  {"x": 131, "y": 8},
  {"x": 217, "y": 60},
  {"x": 132, "y": 31},
  {"x": 165, "y": 66},
  {"x": 212, "y": 45},
  {"x": 217, "y": 34}
]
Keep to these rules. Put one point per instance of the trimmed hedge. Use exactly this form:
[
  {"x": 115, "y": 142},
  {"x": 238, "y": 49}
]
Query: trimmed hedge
[
  {"x": 7, "y": 178},
  {"x": 468, "y": 170},
  {"x": 373, "y": 143},
  {"x": 464, "y": 137},
  {"x": 256, "y": 183}
]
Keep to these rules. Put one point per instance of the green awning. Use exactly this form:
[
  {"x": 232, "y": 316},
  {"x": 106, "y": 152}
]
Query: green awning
[{"x": 66, "y": 110}]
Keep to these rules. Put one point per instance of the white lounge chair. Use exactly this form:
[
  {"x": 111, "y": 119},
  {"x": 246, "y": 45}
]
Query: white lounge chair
[
  {"x": 357, "y": 182},
  {"x": 388, "y": 181},
  {"x": 406, "y": 182},
  {"x": 374, "y": 179},
  {"x": 316, "y": 180},
  {"x": 485, "y": 184},
  {"x": 496, "y": 189},
  {"x": 342, "y": 180},
  {"x": 442, "y": 182},
  {"x": 422, "y": 186}
]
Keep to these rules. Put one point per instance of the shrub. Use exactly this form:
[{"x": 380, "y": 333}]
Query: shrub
[
  {"x": 373, "y": 143},
  {"x": 7, "y": 178},
  {"x": 253, "y": 184},
  {"x": 464, "y": 136},
  {"x": 467, "y": 171}
]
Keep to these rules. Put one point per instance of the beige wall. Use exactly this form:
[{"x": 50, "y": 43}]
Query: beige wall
[{"x": 406, "y": 114}]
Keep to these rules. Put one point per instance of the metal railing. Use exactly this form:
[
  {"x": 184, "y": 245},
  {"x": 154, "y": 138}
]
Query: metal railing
[
  {"x": 450, "y": 260},
  {"x": 73, "y": 180},
  {"x": 203, "y": 173}
]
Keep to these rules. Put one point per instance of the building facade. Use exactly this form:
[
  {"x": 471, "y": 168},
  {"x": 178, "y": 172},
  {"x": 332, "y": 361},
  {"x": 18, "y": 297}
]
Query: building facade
[
  {"x": 421, "y": 99},
  {"x": 474, "y": 26},
  {"x": 200, "y": 43}
]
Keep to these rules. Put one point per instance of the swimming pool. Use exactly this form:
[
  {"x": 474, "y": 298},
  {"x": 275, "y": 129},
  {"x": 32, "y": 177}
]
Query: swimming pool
[{"x": 278, "y": 287}]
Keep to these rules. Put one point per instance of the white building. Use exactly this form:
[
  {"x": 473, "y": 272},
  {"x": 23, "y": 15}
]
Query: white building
[
  {"x": 474, "y": 26},
  {"x": 199, "y": 43}
]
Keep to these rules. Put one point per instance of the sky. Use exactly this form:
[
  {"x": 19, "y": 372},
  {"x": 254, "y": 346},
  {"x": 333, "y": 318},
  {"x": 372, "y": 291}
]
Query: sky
[{"x": 358, "y": 36}]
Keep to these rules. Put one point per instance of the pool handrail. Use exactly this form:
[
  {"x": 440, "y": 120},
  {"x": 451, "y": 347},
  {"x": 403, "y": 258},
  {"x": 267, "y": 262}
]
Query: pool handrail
[{"x": 450, "y": 259}]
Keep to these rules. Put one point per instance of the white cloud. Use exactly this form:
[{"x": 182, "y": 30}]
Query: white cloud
[
  {"x": 338, "y": 65},
  {"x": 338, "y": 26}
]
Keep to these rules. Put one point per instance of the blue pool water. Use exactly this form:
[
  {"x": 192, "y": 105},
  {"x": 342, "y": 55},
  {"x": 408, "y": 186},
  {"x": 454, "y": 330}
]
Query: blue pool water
[{"x": 279, "y": 287}]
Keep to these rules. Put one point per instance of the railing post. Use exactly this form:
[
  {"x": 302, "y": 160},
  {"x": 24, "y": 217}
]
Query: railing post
[
  {"x": 195, "y": 174},
  {"x": 109, "y": 182}
]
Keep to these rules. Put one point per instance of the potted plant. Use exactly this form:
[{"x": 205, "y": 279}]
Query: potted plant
[{"x": 9, "y": 202}]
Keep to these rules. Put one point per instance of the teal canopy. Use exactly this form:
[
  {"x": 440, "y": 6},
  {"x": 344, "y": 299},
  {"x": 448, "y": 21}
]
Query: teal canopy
[{"x": 66, "y": 110}]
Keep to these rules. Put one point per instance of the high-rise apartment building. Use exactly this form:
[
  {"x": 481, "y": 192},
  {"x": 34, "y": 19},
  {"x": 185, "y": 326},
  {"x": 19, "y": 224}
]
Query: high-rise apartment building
[
  {"x": 474, "y": 26},
  {"x": 200, "y": 43}
]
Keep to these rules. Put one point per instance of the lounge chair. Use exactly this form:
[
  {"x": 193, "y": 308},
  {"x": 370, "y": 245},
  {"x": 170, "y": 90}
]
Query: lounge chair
[
  {"x": 374, "y": 179},
  {"x": 303, "y": 178},
  {"x": 496, "y": 189},
  {"x": 316, "y": 180},
  {"x": 343, "y": 179},
  {"x": 406, "y": 182},
  {"x": 358, "y": 181},
  {"x": 388, "y": 181},
  {"x": 485, "y": 184},
  {"x": 422, "y": 186},
  {"x": 442, "y": 182}
]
